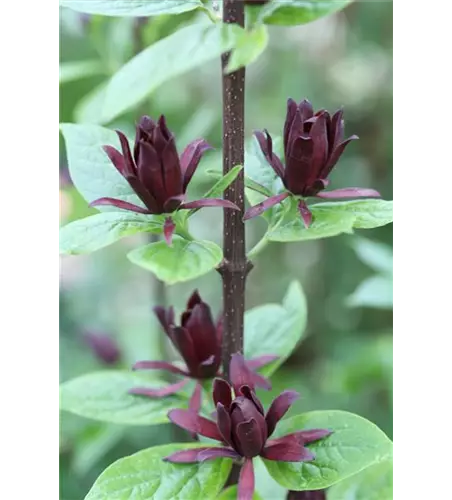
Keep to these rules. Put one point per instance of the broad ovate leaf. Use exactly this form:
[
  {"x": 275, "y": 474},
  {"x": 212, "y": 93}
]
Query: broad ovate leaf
[
  {"x": 374, "y": 254},
  {"x": 292, "y": 12},
  {"x": 184, "y": 260},
  {"x": 354, "y": 445},
  {"x": 135, "y": 8},
  {"x": 170, "y": 57},
  {"x": 373, "y": 483},
  {"x": 248, "y": 47},
  {"x": 76, "y": 70},
  {"x": 91, "y": 171},
  {"x": 368, "y": 213},
  {"x": 325, "y": 224},
  {"x": 276, "y": 328},
  {"x": 98, "y": 231},
  {"x": 145, "y": 475},
  {"x": 104, "y": 396},
  {"x": 376, "y": 292}
]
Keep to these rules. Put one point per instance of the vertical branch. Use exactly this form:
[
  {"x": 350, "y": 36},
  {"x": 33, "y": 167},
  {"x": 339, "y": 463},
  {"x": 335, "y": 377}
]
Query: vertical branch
[{"x": 235, "y": 266}]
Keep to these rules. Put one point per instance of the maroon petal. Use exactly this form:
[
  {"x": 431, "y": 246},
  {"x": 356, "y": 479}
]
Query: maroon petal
[
  {"x": 245, "y": 489},
  {"x": 349, "y": 193},
  {"x": 250, "y": 394},
  {"x": 124, "y": 205},
  {"x": 150, "y": 172},
  {"x": 182, "y": 341},
  {"x": 299, "y": 164},
  {"x": 159, "y": 365},
  {"x": 116, "y": 158},
  {"x": 210, "y": 202},
  {"x": 305, "y": 213},
  {"x": 171, "y": 169},
  {"x": 129, "y": 164},
  {"x": 194, "y": 299},
  {"x": 186, "y": 456},
  {"x": 224, "y": 424},
  {"x": 159, "y": 393},
  {"x": 279, "y": 408},
  {"x": 192, "y": 422},
  {"x": 164, "y": 317},
  {"x": 337, "y": 129},
  {"x": 174, "y": 202},
  {"x": 249, "y": 438},
  {"x": 222, "y": 392},
  {"x": 335, "y": 155},
  {"x": 260, "y": 361},
  {"x": 213, "y": 453},
  {"x": 312, "y": 435},
  {"x": 168, "y": 230},
  {"x": 203, "y": 332},
  {"x": 306, "y": 109},
  {"x": 265, "y": 205},
  {"x": 190, "y": 159},
  {"x": 292, "y": 109},
  {"x": 290, "y": 450},
  {"x": 319, "y": 138},
  {"x": 195, "y": 400},
  {"x": 266, "y": 145}
]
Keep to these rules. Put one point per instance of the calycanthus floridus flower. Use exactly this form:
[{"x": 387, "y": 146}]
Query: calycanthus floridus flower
[
  {"x": 157, "y": 174},
  {"x": 198, "y": 340},
  {"x": 313, "y": 144},
  {"x": 244, "y": 428}
]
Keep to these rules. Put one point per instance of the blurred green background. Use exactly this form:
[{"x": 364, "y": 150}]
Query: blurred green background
[{"x": 345, "y": 361}]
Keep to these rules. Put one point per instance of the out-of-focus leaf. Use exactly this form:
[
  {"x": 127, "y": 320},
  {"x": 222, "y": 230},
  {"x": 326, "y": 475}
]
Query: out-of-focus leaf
[
  {"x": 76, "y": 70},
  {"x": 376, "y": 291},
  {"x": 136, "y": 8},
  {"x": 248, "y": 47},
  {"x": 276, "y": 329},
  {"x": 373, "y": 253}
]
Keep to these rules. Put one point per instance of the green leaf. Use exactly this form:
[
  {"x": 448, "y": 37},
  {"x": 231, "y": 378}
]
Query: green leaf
[
  {"x": 76, "y": 70},
  {"x": 136, "y": 8},
  {"x": 172, "y": 56},
  {"x": 248, "y": 47},
  {"x": 103, "y": 396},
  {"x": 90, "y": 106},
  {"x": 373, "y": 483},
  {"x": 217, "y": 189},
  {"x": 368, "y": 213},
  {"x": 325, "y": 224},
  {"x": 257, "y": 167},
  {"x": 98, "y": 231},
  {"x": 275, "y": 328},
  {"x": 292, "y": 12},
  {"x": 354, "y": 445},
  {"x": 91, "y": 171},
  {"x": 183, "y": 261},
  {"x": 376, "y": 255},
  {"x": 144, "y": 475},
  {"x": 266, "y": 486},
  {"x": 231, "y": 494},
  {"x": 249, "y": 183},
  {"x": 376, "y": 291},
  {"x": 96, "y": 440}
]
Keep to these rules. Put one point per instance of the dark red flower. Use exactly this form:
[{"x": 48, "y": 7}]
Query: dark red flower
[
  {"x": 156, "y": 173},
  {"x": 198, "y": 340},
  {"x": 103, "y": 346},
  {"x": 306, "y": 495},
  {"x": 313, "y": 144},
  {"x": 244, "y": 428}
]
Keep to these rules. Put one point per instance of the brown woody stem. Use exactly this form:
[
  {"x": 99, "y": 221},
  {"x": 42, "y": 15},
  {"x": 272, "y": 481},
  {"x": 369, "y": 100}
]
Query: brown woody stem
[{"x": 235, "y": 266}]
